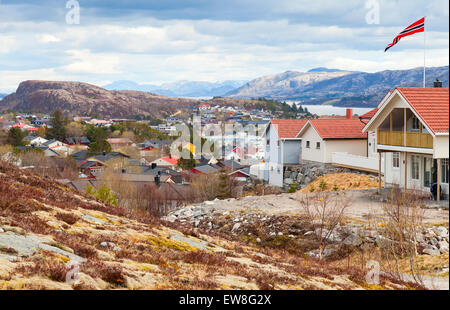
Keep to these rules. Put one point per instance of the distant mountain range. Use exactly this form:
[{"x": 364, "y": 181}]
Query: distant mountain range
[
  {"x": 180, "y": 88},
  {"x": 3, "y": 95},
  {"x": 337, "y": 87},
  {"x": 317, "y": 86}
]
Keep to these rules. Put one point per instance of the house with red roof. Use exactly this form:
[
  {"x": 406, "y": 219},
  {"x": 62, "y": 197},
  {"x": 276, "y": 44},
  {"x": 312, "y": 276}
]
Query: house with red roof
[
  {"x": 168, "y": 161},
  {"x": 320, "y": 138},
  {"x": 283, "y": 148},
  {"x": 411, "y": 126}
]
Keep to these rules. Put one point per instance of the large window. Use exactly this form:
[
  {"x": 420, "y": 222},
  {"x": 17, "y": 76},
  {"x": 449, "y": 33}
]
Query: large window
[
  {"x": 396, "y": 160},
  {"x": 444, "y": 170},
  {"x": 415, "y": 164},
  {"x": 415, "y": 123}
]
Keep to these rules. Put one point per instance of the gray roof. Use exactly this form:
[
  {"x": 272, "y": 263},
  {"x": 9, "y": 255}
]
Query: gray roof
[{"x": 207, "y": 169}]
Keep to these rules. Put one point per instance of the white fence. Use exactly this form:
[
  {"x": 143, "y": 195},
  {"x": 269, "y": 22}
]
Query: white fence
[{"x": 356, "y": 161}]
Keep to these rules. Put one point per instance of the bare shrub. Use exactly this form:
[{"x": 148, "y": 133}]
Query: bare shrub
[
  {"x": 402, "y": 222},
  {"x": 108, "y": 273},
  {"x": 53, "y": 269},
  {"x": 325, "y": 210}
]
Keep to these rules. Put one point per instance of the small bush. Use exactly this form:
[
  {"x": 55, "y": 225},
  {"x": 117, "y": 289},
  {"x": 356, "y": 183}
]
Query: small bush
[
  {"x": 69, "y": 218},
  {"x": 202, "y": 257},
  {"x": 52, "y": 269}
]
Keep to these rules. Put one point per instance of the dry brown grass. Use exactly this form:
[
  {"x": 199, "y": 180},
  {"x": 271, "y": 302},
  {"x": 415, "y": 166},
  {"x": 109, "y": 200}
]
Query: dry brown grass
[{"x": 341, "y": 181}]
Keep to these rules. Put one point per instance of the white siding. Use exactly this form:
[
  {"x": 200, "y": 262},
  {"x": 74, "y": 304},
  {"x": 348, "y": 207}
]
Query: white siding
[
  {"x": 440, "y": 146},
  {"x": 312, "y": 153},
  {"x": 354, "y": 147}
]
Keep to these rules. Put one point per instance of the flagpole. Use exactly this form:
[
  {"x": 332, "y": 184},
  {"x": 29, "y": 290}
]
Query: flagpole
[{"x": 424, "y": 44}]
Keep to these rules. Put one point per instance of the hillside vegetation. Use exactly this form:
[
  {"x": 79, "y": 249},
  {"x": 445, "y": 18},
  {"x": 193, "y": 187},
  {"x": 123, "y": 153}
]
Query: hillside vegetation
[{"x": 46, "y": 229}]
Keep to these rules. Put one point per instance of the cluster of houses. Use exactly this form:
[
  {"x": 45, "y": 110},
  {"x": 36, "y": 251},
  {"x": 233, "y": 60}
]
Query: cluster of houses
[{"x": 405, "y": 140}]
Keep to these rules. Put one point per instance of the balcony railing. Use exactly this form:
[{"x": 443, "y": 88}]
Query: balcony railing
[{"x": 397, "y": 138}]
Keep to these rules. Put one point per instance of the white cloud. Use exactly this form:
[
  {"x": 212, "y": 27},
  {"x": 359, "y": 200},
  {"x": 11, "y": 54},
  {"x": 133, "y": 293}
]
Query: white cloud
[
  {"x": 83, "y": 61},
  {"x": 8, "y": 44},
  {"x": 298, "y": 35},
  {"x": 47, "y": 38}
]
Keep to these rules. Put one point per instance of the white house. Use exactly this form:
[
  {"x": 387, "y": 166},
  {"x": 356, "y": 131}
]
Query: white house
[
  {"x": 320, "y": 138},
  {"x": 169, "y": 161},
  {"x": 35, "y": 140},
  {"x": 283, "y": 147},
  {"x": 412, "y": 136}
]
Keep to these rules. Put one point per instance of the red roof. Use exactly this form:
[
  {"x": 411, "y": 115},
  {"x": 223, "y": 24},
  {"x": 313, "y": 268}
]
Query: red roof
[
  {"x": 369, "y": 114},
  {"x": 430, "y": 104},
  {"x": 339, "y": 128},
  {"x": 288, "y": 128},
  {"x": 172, "y": 160}
]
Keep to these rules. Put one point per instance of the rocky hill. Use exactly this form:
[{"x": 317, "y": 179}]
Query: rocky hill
[
  {"x": 82, "y": 98},
  {"x": 52, "y": 237},
  {"x": 3, "y": 95},
  {"x": 77, "y": 98},
  {"x": 340, "y": 88}
]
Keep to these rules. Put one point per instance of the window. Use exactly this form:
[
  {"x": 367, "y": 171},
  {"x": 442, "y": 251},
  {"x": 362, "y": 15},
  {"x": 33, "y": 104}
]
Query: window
[
  {"x": 427, "y": 171},
  {"x": 318, "y": 145},
  {"x": 268, "y": 141},
  {"x": 396, "y": 160},
  {"x": 278, "y": 143},
  {"x": 307, "y": 144},
  {"x": 415, "y": 123},
  {"x": 415, "y": 167},
  {"x": 444, "y": 170}
]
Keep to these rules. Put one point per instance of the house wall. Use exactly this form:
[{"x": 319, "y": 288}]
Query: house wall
[
  {"x": 292, "y": 151},
  {"x": 372, "y": 144},
  {"x": 397, "y": 175},
  {"x": 354, "y": 147},
  {"x": 276, "y": 174},
  {"x": 393, "y": 175},
  {"x": 440, "y": 146},
  {"x": 311, "y": 153}
]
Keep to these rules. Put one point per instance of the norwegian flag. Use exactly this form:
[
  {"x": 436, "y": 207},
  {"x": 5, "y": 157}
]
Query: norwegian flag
[{"x": 418, "y": 26}]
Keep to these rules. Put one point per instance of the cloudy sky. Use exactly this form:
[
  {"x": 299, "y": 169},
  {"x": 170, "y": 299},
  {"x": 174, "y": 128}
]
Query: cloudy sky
[{"x": 155, "y": 41}]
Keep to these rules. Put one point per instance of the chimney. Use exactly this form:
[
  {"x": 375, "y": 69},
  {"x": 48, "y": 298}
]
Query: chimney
[
  {"x": 104, "y": 153},
  {"x": 153, "y": 165},
  {"x": 349, "y": 113},
  {"x": 437, "y": 84}
]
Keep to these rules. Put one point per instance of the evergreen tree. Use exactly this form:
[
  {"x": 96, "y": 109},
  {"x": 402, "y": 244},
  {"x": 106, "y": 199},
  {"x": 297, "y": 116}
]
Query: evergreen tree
[
  {"x": 99, "y": 147},
  {"x": 16, "y": 136},
  {"x": 58, "y": 126}
]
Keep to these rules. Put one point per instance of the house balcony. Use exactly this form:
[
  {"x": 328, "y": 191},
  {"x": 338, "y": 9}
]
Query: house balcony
[{"x": 408, "y": 139}]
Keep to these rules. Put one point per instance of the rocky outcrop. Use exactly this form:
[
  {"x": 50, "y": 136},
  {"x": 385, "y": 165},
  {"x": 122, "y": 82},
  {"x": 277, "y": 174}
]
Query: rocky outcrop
[
  {"x": 77, "y": 98},
  {"x": 431, "y": 240}
]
